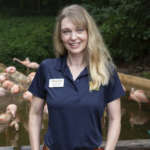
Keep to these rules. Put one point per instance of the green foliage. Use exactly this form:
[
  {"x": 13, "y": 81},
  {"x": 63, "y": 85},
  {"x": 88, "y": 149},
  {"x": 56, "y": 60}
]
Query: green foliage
[
  {"x": 146, "y": 74},
  {"x": 25, "y": 37},
  {"x": 124, "y": 25}
]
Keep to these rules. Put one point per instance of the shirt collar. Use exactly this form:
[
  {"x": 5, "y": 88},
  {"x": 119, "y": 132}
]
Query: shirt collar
[{"x": 61, "y": 65}]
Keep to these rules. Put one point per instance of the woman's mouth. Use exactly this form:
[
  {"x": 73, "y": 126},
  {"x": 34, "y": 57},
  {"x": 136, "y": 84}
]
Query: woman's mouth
[{"x": 74, "y": 45}]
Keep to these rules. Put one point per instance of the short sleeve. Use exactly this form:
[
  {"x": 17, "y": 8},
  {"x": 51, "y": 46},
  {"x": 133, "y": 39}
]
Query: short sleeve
[
  {"x": 38, "y": 83},
  {"x": 114, "y": 89}
]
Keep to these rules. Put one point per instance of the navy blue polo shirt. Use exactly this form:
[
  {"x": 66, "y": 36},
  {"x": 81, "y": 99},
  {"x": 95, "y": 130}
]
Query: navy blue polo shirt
[{"x": 74, "y": 112}]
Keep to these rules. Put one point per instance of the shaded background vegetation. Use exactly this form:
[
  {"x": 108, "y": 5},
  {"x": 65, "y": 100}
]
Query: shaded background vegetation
[{"x": 26, "y": 27}]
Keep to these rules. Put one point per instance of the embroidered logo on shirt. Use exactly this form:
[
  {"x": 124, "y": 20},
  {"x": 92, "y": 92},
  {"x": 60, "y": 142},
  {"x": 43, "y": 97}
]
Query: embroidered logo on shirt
[
  {"x": 92, "y": 87},
  {"x": 56, "y": 83}
]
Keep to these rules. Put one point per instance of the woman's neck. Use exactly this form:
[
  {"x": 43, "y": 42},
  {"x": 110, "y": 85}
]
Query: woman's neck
[
  {"x": 76, "y": 64},
  {"x": 76, "y": 61}
]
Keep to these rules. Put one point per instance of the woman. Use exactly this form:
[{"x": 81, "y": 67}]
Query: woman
[{"x": 77, "y": 86}]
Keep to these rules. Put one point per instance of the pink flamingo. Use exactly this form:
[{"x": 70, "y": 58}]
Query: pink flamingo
[
  {"x": 33, "y": 65},
  {"x": 7, "y": 84},
  {"x": 3, "y": 77},
  {"x": 138, "y": 96},
  {"x": 27, "y": 63},
  {"x": 12, "y": 108},
  {"x": 10, "y": 69},
  {"x": 30, "y": 77},
  {"x": 27, "y": 96},
  {"x": 9, "y": 115},
  {"x": 3, "y": 91},
  {"x": 23, "y": 62},
  {"x": 15, "y": 89},
  {"x": 15, "y": 123},
  {"x": 5, "y": 118}
]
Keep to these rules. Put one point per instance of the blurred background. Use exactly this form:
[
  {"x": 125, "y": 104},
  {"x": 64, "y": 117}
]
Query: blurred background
[
  {"x": 26, "y": 28},
  {"x": 26, "y": 31}
]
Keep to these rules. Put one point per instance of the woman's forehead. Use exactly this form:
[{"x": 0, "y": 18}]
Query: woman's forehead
[{"x": 69, "y": 21}]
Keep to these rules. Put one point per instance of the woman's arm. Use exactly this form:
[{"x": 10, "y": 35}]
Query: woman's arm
[
  {"x": 35, "y": 118},
  {"x": 114, "y": 124}
]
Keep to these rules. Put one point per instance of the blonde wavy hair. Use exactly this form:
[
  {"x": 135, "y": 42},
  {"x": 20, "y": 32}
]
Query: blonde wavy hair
[{"x": 100, "y": 64}]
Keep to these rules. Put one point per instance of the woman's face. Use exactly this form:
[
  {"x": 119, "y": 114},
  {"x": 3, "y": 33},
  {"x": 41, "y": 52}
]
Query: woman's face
[{"x": 73, "y": 37}]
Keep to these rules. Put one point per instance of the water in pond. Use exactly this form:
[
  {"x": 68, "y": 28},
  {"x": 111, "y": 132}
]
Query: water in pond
[{"x": 135, "y": 122}]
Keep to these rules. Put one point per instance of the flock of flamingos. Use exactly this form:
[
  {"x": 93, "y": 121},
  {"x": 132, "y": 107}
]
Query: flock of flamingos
[{"x": 8, "y": 86}]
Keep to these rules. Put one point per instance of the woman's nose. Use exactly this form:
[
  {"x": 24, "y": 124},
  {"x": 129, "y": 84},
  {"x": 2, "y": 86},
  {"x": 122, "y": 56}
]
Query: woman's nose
[{"x": 73, "y": 35}]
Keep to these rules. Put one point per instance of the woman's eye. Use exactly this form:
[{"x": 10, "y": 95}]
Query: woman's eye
[
  {"x": 66, "y": 32},
  {"x": 80, "y": 30}
]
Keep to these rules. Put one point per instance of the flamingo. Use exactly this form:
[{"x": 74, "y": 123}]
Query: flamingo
[
  {"x": 33, "y": 65},
  {"x": 5, "y": 118},
  {"x": 3, "y": 77},
  {"x": 15, "y": 123},
  {"x": 138, "y": 96},
  {"x": 27, "y": 63},
  {"x": 7, "y": 84},
  {"x": 27, "y": 96},
  {"x": 3, "y": 91},
  {"x": 30, "y": 77},
  {"x": 23, "y": 62},
  {"x": 9, "y": 115},
  {"x": 15, "y": 89},
  {"x": 10, "y": 69},
  {"x": 12, "y": 108}
]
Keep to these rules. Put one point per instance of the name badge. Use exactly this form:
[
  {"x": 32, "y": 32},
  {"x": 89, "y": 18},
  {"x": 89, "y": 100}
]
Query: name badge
[{"x": 56, "y": 82}]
